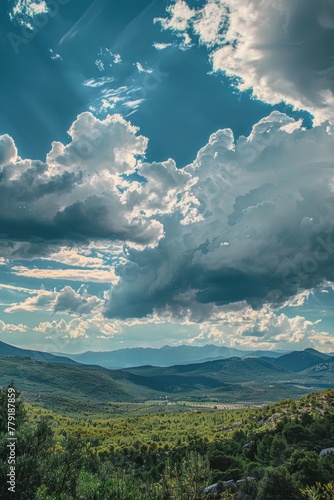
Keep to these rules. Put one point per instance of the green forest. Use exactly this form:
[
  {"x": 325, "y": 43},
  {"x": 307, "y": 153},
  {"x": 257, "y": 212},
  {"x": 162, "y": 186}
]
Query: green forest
[{"x": 270, "y": 452}]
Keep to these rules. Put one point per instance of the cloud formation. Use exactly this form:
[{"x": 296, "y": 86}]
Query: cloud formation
[
  {"x": 281, "y": 50},
  {"x": 23, "y": 11},
  {"x": 249, "y": 220},
  {"x": 7, "y": 327},
  {"x": 8, "y": 151},
  {"x": 262, "y": 229},
  {"x": 82, "y": 275},
  {"x": 58, "y": 331},
  {"x": 243, "y": 327},
  {"x": 84, "y": 191},
  {"x": 67, "y": 300}
]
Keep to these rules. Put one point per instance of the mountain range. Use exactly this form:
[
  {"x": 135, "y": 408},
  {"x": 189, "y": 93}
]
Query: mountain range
[
  {"x": 56, "y": 381},
  {"x": 164, "y": 356}
]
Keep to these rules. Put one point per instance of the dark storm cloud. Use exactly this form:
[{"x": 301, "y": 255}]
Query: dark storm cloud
[{"x": 266, "y": 232}]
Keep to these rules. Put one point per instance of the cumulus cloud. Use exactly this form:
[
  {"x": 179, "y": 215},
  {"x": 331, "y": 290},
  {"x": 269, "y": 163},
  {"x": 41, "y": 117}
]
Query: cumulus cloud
[
  {"x": 60, "y": 331},
  {"x": 74, "y": 302},
  {"x": 24, "y": 11},
  {"x": 249, "y": 220},
  {"x": 280, "y": 50},
  {"x": 178, "y": 20},
  {"x": 243, "y": 327},
  {"x": 39, "y": 300},
  {"x": 84, "y": 192},
  {"x": 10, "y": 328},
  {"x": 111, "y": 144},
  {"x": 8, "y": 151},
  {"x": 67, "y": 300},
  {"x": 262, "y": 229},
  {"x": 73, "y": 329}
]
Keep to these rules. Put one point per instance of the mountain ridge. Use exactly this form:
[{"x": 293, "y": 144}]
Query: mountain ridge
[
  {"x": 226, "y": 380},
  {"x": 163, "y": 356},
  {"x": 297, "y": 361},
  {"x": 10, "y": 350}
]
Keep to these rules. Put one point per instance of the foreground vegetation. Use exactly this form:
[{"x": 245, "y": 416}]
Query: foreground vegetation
[{"x": 174, "y": 456}]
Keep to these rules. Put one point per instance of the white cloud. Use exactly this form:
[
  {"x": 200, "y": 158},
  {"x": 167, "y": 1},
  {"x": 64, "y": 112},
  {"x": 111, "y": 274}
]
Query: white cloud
[
  {"x": 41, "y": 300},
  {"x": 210, "y": 23},
  {"x": 24, "y": 11},
  {"x": 141, "y": 69},
  {"x": 239, "y": 325},
  {"x": 111, "y": 144},
  {"x": 179, "y": 16},
  {"x": 108, "y": 57},
  {"x": 61, "y": 330},
  {"x": 10, "y": 328},
  {"x": 178, "y": 20},
  {"x": 67, "y": 300},
  {"x": 280, "y": 50},
  {"x": 14, "y": 288},
  {"x": 29, "y": 7},
  {"x": 77, "y": 257},
  {"x": 134, "y": 104},
  {"x": 55, "y": 56},
  {"x": 100, "y": 65},
  {"x": 245, "y": 328},
  {"x": 161, "y": 46},
  {"x": 8, "y": 151},
  {"x": 79, "y": 194},
  {"x": 82, "y": 275},
  {"x": 98, "y": 82},
  {"x": 82, "y": 192}
]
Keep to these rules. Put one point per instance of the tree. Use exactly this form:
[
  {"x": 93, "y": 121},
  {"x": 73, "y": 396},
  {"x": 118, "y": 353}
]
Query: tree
[
  {"x": 319, "y": 492},
  {"x": 277, "y": 484},
  {"x": 278, "y": 450},
  {"x": 295, "y": 433},
  {"x": 307, "y": 468},
  {"x": 187, "y": 481}
]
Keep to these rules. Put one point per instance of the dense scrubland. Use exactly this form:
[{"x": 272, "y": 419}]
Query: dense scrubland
[{"x": 174, "y": 456}]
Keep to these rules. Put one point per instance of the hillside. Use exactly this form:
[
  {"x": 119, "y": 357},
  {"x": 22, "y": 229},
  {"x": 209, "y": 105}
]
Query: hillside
[
  {"x": 10, "y": 350},
  {"x": 78, "y": 387},
  {"x": 298, "y": 361},
  {"x": 84, "y": 387},
  {"x": 276, "y": 452},
  {"x": 236, "y": 369}
]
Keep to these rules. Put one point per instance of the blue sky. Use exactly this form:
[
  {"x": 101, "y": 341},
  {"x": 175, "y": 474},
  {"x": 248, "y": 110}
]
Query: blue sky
[{"x": 166, "y": 174}]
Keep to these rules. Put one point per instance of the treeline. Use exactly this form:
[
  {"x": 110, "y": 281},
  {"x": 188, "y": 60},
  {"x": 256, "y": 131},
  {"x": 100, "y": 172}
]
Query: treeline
[{"x": 174, "y": 457}]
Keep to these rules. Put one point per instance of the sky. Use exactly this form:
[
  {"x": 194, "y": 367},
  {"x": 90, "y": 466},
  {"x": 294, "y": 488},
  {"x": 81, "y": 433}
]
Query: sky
[{"x": 167, "y": 174}]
